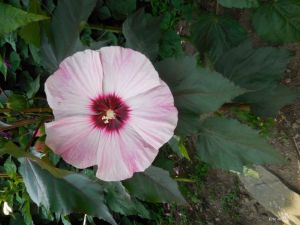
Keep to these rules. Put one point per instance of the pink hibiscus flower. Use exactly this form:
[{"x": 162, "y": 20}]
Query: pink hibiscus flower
[{"x": 111, "y": 109}]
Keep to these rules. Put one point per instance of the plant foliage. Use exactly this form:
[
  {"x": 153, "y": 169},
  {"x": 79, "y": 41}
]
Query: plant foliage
[{"x": 201, "y": 50}]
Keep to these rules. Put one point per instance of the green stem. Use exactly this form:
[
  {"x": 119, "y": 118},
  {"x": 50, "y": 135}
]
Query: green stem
[
  {"x": 217, "y": 8},
  {"x": 103, "y": 27},
  {"x": 34, "y": 134},
  {"x": 30, "y": 110},
  {"x": 22, "y": 123}
]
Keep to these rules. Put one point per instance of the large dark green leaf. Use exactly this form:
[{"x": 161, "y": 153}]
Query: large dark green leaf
[
  {"x": 214, "y": 34},
  {"x": 257, "y": 70},
  {"x": 239, "y": 3},
  {"x": 121, "y": 9},
  {"x": 254, "y": 69},
  {"x": 154, "y": 185},
  {"x": 228, "y": 144},
  {"x": 269, "y": 101},
  {"x": 196, "y": 90},
  {"x": 119, "y": 200},
  {"x": 142, "y": 33},
  {"x": 71, "y": 193},
  {"x": 12, "y": 18},
  {"x": 59, "y": 190},
  {"x": 278, "y": 21},
  {"x": 65, "y": 30}
]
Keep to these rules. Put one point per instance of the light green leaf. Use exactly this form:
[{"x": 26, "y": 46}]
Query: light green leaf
[
  {"x": 65, "y": 220},
  {"x": 142, "y": 33},
  {"x": 239, "y": 3},
  {"x": 31, "y": 32},
  {"x": 33, "y": 87},
  {"x": 121, "y": 9},
  {"x": 17, "y": 102},
  {"x": 12, "y": 18},
  {"x": 35, "y": 53},
  {"x": 10, "y": 167},
  {"x": 214, "y": 34},
  {"x": 278, "y": 21},
  {"x": 26, "y": 210},
  {"x": 154, "y": 185},
  {"x": 178, "y": 147},
  {"x": 228, "y": 144},
  {"x": 260, "y": 71}
]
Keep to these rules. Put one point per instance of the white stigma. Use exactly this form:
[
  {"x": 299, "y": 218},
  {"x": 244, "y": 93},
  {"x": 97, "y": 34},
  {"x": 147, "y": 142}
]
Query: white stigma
[{"x": 110, "y": 114}]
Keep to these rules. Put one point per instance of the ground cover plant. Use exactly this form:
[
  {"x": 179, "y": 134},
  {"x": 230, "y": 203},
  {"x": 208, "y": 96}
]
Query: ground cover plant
[{"x": 101, "y": 100}]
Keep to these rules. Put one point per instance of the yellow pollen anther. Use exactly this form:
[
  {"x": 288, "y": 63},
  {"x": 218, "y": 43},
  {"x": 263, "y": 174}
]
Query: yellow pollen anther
[{"x": 110, "y": 114}]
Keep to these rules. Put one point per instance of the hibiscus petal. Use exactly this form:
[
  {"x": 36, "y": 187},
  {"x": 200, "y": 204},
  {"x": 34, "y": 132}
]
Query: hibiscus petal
[
  {"x": 123, "y": 154},
  {"x": 127, "y": 72},
  {"x": 81, "y": 92},
  {"x": 70, "y": 89},
  {"x": 75, "y": 139},
  {"x": 153, "y": 115}
]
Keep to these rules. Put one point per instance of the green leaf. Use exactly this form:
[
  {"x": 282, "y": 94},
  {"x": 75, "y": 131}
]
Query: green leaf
[
  {"x": 11, "y": 39},
  {"x": 65, "y": 220},
  {"x": 228, "y": 144},
  {"x": 103, "y": 13},
  {"x": 31, "y": 32},
  {"x": 262, "y": 101},
  {"x": 278, "y": 21},
  {"x": 17, "y": 102},
  {"x": 142, "y": 33},
  {"x": 82, "y": 196},
  {"x": 121, "y": 9},
  {"x": 170, "y": 45},
  {"x": 11, "y": 149},
  {"x": 35, "y": 53},
  {"x": 196, "y": 90},
  {"x": 15, "y": 60},
  {"x": 3, "y": 67},
  {"x": 12, "y": 18},
  {"x": 214, "y": 34},
  {"x": 17, "y": 219},
  {"x": 239, "y": 3},
  {"x": 33, "y": 87},
  {"x": 65, "y": 29},
  {"x": 178, "y": 147},
  {"x": 258, "y": 70},
  {"x": 26, "y": 210},
  {"x": 154, "y": 185},
  {"x": 47, "y": 186},
  {"x": 254, "y": 69},
  {"x": 10, "y": 167},
  {"x": 120, "y": 201}
]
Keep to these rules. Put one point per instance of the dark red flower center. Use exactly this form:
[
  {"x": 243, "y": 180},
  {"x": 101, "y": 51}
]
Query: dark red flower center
[{"x": 111, "y": 112}]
